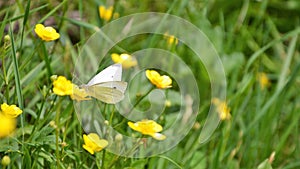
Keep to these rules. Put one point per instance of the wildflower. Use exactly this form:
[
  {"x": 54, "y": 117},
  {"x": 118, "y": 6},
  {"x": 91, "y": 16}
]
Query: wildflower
[
  {"x": 105, "y": 13},
  {"x": 7, "y": 125},
  {"x": 46, "y": 33},
  {"x": 126, "y": 60},
  {"x": 62, "y": 86},
  {"x": 159, "y": 81},
  {"x": 11, "y": 111},
  {"x": 5, "y": 161},
  {"x": 52, "y": 124},
  {"x": 148, "y": 127},
  {"x": 79, "y": 94},
  {"x": 263, "y": 80},
  {"x": 222, "y": 109},
  {"x": 92, "y": 143},
  {"x": 171, "y": 39},
  {"x": 168, "y": 103}
]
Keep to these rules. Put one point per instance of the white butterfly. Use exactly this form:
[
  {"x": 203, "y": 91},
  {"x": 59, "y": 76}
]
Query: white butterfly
[{"x": 107, "y": 86}]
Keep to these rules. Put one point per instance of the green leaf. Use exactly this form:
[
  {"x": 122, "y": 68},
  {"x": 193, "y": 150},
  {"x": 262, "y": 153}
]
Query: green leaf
[{"x": 139, "y": 163}]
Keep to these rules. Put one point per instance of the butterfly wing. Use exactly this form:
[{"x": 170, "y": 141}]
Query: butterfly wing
[
  {"x": 108, "y": 92},
  {"x": 118, "y": 85},
  {"x": 111, "y": 73}
]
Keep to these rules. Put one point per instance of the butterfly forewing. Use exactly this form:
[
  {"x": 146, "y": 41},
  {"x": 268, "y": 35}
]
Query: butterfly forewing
[
  {"x": 107, "y": 86},
  {"x": 109, "y": 74}
]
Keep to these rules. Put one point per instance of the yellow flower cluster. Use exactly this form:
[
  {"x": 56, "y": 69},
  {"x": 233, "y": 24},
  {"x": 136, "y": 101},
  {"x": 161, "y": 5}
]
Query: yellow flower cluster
[
  {"x": 93, "y": 143},
  {"x": 105, "y": 13},
  {"x": 222, "y": 109},
  {"x": 263, "y": 80},
  {"x": 159, "y": 81},
  {"x": 171, "y": 39},
  {"x": 63, "y": 87},
  {"x": 46, "y": 33},
  {"x": 8, "y": 121},
  {"x": 126, "y": 60},
  {"x": 148, "y": 127}
]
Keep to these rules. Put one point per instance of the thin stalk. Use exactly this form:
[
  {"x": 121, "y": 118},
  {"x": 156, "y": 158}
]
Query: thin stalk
[
  {"x": 103, "y": 159},
  {"x": 4, "y": 74},
  {"x": 57, "y": 116},
  {"x": 140, "y": 99},
  {"x": 18, "y": 83},
  {"x": 129, "y": 151},
  {"x": 46, "y": 59},
  {"x": 137, "y": 102}
]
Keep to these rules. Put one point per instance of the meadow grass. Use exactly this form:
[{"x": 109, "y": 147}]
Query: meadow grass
[{"x": 250, "y": 37}]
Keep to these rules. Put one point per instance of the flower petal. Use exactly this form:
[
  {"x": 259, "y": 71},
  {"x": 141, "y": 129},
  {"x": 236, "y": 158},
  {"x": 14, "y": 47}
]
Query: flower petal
[{"x": 158, "y": 136}]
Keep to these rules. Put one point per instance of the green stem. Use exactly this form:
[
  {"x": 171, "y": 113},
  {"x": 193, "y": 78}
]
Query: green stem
[
  {"x": 137, "y": 102},
  {"x": 103, "y": 159},
  {"x": 129, "y": 151},
  {"x": 140, "y": 99},
  {"x": 57, "y": 116},
  {"x": 111, "y": 116},
  {"x": 5, "y": 75},
  {"x": 47, "y": 61},
  {"x": 98, "y": 160}
]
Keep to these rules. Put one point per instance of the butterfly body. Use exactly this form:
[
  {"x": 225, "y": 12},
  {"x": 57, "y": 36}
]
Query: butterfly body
[{"x": 107, "y": 86}]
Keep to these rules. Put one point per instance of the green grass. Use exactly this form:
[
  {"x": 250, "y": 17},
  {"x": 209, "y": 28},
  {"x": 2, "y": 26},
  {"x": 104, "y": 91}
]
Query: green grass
[{"x": 249, "y": 36}]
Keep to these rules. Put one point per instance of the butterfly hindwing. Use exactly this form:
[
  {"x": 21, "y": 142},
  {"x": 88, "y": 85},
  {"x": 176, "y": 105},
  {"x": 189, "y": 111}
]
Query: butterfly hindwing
[
  {"x": 118, "y": 85},
  {"x": 105, "y": 94}
]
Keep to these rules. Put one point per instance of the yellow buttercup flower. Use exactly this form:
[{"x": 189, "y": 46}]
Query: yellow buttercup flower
[
  {"x": 93, "y": 143},
  {"x": 126, "y": 60},
  {"x": 79, "y": 94},
  {"x": 222, "y": 109},
  {"x": 168, "y": 103},
  {"x": 11, "y": 111},
  {"x": 159, "y": 81},
  {"x": 263, "y": 80},
  {"x": 105, "y": 13},
  {"x": 46, "y": 33},
  {"x": 62, "y": 86},
  {"x": 148, "y": 127},
  {"x": 171, "y": 39},
  {"x": 7, "y": 125}
]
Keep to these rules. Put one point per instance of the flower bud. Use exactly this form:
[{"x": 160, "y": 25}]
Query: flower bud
[
  {"x": 53, "y": 77},
  {"x": 5, "y": 161},
  {"x": 119, "y": 137},
  {"x": 6, "y": 38},
  {"x": 168, "y": 103},
  {"x": 52, "y": 124}
]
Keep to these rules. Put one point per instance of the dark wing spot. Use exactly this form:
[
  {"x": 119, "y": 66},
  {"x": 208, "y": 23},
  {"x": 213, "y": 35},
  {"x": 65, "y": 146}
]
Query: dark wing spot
[
  {"x": 114, "y": 87},
  {"x": 112, "y": 76}
]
